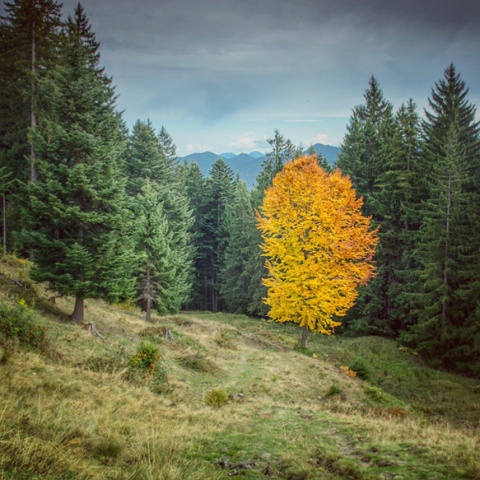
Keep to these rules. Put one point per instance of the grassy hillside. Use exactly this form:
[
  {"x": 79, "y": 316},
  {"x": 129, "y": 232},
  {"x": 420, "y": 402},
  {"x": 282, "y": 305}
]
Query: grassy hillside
[{"x": 229, "y": 396}]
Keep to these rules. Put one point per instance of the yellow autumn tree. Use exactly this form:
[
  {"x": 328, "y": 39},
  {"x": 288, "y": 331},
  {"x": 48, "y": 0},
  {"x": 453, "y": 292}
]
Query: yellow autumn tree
[{"x": 319, "y": 247}]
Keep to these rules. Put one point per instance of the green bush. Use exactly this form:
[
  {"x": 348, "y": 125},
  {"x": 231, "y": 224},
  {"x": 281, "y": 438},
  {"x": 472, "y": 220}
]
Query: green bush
[
  {"x": 362, "y": 369},
  {"x": 333, "y": 390},
  {"x": 145, "y": 360},
  {"x": 216, "y": 397},
  {"x": 19, "y": 322},
  {"x": 377, "y": 394}
]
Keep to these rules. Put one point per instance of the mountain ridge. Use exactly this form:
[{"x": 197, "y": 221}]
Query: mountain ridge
[{"x": 248, "y": 165}]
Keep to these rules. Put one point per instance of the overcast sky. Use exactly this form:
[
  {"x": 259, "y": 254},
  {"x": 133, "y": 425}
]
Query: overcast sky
[{"x": 221, "y": 75}]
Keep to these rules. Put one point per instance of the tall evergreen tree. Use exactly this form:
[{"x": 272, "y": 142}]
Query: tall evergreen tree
[
  {"x": 212, "y": 236},
  {"x": 143, "y": 157},
  {"x": 146, "y": 160},
  {"x": 402, "y": 193},
  {"x": 29, "y": 39},
  {"x": 156, "y": 273},
  {"x": 368, "y": 155},
  {"x": 448, "y": 312},
  {"x": 282, "y": 151},
  {"x": 236, "y": 275},
  {"x": 79, "y": 221},
  {"x": 195, "y": 188},
  {"x": 367, "y": 144},
  {"x": 167, "y": 146}
]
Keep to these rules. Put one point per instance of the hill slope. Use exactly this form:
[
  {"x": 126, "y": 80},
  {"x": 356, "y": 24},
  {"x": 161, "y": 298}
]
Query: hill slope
[{"x": 229, "y": 396}]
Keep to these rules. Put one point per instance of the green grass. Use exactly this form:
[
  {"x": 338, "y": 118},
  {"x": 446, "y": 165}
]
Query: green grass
[{"x": 230, "y": 396}]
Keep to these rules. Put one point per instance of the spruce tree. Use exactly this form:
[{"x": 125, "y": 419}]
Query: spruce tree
[
  {"x": 212, "y": 236},
  {"x": 143, "y": 157},
  {"x": 236, "y": 273},
  {"x": 29, "y": 39},
  {"x": 156, "y": 272},
  {"x": 195, "y": 188},
  {"x": 448, "y": 287},
  {"x": 78, "y": 217},
  {"x": 367, "y": 144},
  {"x": 403, "y": 187},
  {"x": 367, "y": 152},
  {"x": 146, "y": 160},
  {"x": 282, "y": 151}
]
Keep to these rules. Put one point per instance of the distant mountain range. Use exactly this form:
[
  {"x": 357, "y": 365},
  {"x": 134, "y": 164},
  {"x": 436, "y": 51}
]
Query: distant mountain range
[{"x": 249, "y": 165}]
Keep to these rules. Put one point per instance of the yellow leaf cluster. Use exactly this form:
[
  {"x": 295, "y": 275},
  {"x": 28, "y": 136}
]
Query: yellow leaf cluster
[
  {"x": 318, "y": 245},
  {"x": 348, "y": 372}
]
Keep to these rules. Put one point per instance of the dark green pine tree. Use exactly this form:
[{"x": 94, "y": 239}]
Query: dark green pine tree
[
  {"x": 143, "y": 157},
  {"x": 168, "y": 148},
  {"x": 78, "y": 216},
  {"x": 156, "y": 273},
  {"x": 195, "y": 188},
  {"x": 367, "y": 144},
  {"x": 180, "y": 217},
  {"x": 448, "y": 287},
  {"x": 403, "y": 191},
  {"x": 366, "y": 152},
  {"x": 29, "y": 39},
  {"x": 236, "y": 274},
  {"x": 213, "y": 234},
  {"x": 282, "y": 151},
  {"x": 146, "y": 160}
]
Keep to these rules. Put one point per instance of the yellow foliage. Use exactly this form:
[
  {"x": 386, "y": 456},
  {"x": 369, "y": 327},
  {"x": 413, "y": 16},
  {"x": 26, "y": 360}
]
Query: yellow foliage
[
  {"x": 348, "y": 372},
  {"x": 319, "y": 246},
  {"x": 22, "y": 303}
]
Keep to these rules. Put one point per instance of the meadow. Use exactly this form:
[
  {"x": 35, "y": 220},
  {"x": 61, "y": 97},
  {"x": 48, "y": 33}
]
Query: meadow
[{"x": 223, "y": 396}]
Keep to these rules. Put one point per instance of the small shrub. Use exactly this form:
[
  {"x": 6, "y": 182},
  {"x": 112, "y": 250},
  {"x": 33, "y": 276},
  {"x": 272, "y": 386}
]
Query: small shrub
[
  {"x": 333, "y": 390},
  {"x": 216, "y": 397},
  {"x": 19, "y": 322},
  {"x": 145, "y": 359},
  {"x": 376, "y": 394},
  {"x": 362, "y": 369}
]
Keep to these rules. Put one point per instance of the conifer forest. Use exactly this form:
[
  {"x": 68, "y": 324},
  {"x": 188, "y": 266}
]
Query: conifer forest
[{"x": 108, "y": 212}]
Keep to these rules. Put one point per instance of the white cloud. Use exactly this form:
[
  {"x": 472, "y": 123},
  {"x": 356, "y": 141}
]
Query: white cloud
[
  {"x": 247, "y": 142},
  {"x": 318, "y": 138},
  {"x": 196, "y": 148}
]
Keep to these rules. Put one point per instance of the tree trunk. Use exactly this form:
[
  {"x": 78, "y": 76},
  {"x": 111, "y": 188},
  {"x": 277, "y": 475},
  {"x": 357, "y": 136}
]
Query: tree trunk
[
  {"x": 33, "y": 119},
  {"x": 304, "y": 336},
  {"x": 4, "y": 202},
  {"x": 77, "y": 315},
  {"x": 445, "y": 257},
  {"x": 148, "y": 307}
]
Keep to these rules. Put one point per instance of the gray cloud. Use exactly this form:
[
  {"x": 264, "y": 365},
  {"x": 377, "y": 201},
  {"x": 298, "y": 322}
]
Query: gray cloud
[{"x": 218, "y": 62}]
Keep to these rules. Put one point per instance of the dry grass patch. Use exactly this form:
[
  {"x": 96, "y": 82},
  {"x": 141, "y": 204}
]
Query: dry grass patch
[{"x": 278, "y": 412}]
